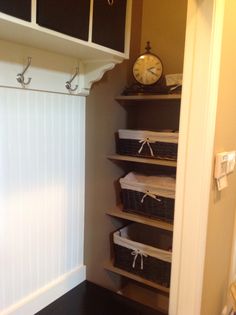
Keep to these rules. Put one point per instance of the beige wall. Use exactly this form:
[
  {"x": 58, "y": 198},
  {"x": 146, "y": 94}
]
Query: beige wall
[
  {"x": 163, "y": 24},
  {"x": 104, "y": 116},
  {"x": 222, "y": 204},
  {"x": 136, "y": 29}
]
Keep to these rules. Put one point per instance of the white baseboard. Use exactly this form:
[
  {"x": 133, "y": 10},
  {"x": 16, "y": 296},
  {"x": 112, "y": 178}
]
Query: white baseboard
[{"x": 39, "y": 299}]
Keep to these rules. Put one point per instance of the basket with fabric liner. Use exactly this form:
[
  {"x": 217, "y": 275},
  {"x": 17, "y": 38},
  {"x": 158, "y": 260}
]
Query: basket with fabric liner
[
  {"x": 150, "y": 144},
  {"x": 152, "y": 196},
  {"x": 144, "y": 251}
]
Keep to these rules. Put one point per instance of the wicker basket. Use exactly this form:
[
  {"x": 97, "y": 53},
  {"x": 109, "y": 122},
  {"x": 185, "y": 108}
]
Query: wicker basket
[
  {"x": 152, "y": 196},
  {"x": 142, "y": 143},
  {"x": 144, "y": 251}
]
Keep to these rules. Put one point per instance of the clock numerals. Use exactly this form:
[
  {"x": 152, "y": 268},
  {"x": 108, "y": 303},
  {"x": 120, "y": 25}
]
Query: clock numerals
[{"x": 147, "y": 69}]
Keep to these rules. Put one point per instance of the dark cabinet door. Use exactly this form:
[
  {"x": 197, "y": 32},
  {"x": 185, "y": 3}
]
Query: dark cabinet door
[
  {"x": 70, "y": 17},
  {"x": 109, "y": 23},
  {"x": 17, "y": 8}
]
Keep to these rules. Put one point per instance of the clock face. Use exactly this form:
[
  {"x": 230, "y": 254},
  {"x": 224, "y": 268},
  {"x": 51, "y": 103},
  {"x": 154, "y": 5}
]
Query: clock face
[{"x": 147, "y": 69}]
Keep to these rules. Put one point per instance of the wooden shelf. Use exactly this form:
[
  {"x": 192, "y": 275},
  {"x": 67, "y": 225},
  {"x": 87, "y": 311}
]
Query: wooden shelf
[
  {"x": 148, "y": 97},
  {"x": 127, "y": 158},
  {"x": 118, "y": 213},
  {"x": 110, "y": 267},
  {"x": 157, "y": 300},
  {"x": 138, "y": 288}
]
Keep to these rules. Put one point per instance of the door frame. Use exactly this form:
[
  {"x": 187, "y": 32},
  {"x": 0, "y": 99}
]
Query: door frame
[{"x": 195, "y": 157}]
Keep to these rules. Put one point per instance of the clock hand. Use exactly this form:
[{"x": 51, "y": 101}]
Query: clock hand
[
  {"x": 152, "y": 72},
  {"x": 149, "y": 69}
]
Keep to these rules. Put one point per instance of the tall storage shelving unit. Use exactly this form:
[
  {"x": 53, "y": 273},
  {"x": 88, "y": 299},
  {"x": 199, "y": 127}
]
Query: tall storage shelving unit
[{"x": 150, "y": 112}]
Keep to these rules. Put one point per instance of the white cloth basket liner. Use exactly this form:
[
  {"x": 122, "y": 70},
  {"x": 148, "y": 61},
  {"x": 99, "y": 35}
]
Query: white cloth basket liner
[
  {"x": 120, "y": 238},
  {"x": 155, "y": 185},
  {"x": 153, "y": 136}
]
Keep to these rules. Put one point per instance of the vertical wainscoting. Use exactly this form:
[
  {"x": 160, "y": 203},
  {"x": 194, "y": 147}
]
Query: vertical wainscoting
[{"x": 41, "y": 194}]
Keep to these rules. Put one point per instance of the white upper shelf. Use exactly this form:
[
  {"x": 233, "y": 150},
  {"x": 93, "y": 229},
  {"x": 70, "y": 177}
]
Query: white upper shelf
[{"x": 31, "y": 34}]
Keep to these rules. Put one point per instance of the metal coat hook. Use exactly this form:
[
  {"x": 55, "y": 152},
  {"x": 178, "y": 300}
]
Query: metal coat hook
[
  {"x": 20, "y": 76},
  {"x": 68, "y": 83},
  {"x": 110, "y": 2}
]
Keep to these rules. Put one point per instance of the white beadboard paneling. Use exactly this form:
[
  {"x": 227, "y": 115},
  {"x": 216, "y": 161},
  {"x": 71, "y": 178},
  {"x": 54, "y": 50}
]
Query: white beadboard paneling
[{"x": 41, "y": 190}]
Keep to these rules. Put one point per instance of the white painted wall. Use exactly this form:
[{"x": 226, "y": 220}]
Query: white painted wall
[{"x": 41, "y": 197}]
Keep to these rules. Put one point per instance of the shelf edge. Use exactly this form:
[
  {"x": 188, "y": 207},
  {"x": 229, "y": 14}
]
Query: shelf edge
[
  {"x": 151, "y": 97},
  {"x": 110, "y": 267},
  {"x": 118, "y": 213},
  {"x": 128, "y": 158}
]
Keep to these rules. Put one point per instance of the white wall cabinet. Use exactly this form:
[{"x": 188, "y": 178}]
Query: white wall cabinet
[
  {"x": 71, "y": 28},
  {"x": 88, "y": 26}
]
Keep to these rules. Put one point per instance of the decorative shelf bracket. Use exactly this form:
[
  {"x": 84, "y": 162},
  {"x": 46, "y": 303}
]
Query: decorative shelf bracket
[{"x": 93, "y": 71}]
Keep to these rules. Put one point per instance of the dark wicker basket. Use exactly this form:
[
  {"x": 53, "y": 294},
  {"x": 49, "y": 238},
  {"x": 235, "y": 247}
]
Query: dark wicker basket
[
  {"x": 161, "y": 150},
  {"x": 162, "y": 210},
  {"x": 144, "y": 251},
  {"x": 154, "y": 270}
]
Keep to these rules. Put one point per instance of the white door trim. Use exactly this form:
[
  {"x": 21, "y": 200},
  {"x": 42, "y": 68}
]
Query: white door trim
[{"x": 195, "y": 159}]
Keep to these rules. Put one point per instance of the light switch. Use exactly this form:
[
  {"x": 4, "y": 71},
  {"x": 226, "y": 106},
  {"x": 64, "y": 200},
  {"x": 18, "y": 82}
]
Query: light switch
[
  {"x": 224, "y": 164},
  {"x": 231, "y": 161},
  {"x": 221, "y": 165}
]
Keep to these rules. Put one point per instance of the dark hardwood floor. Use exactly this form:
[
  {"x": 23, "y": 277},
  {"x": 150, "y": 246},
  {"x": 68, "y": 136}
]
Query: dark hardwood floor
[{"x": 90, "y": 299}]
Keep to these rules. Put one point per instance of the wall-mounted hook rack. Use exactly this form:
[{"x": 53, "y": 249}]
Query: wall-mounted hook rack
[
  {"x": 20, "y": 76},
  {"x": 68, "y": 83},
  {"x": 49, "y": 74}
]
